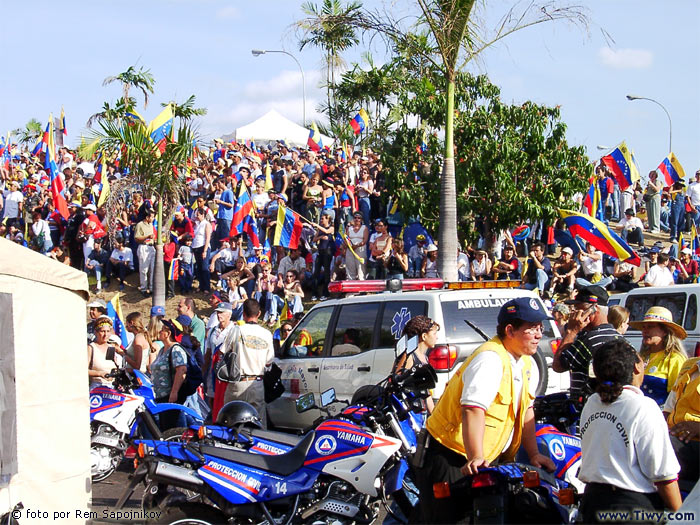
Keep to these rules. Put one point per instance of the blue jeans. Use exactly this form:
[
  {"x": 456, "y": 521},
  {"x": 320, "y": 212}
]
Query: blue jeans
[
  {"x": 414, "y": 266},
  {"x": 541, "y": 284},
  {"x": 636, "y": 236},
  {"x": 604, "y": 282},
  {"x": 202, "y": 269},
  {"x": 223, "y": 227},
  {"x": 365, "y": 209}
]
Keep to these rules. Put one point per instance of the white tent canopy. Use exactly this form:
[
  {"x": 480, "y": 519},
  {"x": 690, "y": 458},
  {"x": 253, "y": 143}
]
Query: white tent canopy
[
  {"x": 272, "y": 126},
  {"x": 44, "y": 409}
]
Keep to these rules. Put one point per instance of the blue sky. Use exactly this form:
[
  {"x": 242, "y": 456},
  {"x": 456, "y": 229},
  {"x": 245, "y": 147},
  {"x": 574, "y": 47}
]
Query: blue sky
[{"x": 59, "y": 53}]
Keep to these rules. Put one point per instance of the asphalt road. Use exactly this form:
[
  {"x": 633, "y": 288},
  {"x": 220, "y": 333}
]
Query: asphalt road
[{"x": 106, "y": 493}]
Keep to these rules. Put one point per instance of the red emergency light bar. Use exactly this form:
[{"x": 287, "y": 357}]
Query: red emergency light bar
[{"x": 379, "y": 285}]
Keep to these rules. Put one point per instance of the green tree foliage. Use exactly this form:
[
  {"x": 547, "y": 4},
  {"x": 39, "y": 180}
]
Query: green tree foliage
[
  {"x": 328, "y": 28},
  {"x": 512, "y": 162},
  {"x": 29, "y": 134}
]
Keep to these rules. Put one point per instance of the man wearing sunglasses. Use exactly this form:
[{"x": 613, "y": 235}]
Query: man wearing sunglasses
[{"x": 486, "y": 409}]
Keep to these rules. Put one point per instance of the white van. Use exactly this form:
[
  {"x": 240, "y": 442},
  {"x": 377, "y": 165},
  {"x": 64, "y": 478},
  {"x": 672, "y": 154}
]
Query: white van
[{"x": 683, "y": 300}]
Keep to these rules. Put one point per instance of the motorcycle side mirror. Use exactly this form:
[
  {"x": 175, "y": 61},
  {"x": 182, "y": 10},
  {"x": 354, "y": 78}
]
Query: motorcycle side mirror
[
  {"x": 406, "y": 344},
  {"x": 109, "y": 355},
  {"x": 327, "y": 397},
  {"x": 305, "y": 402}
]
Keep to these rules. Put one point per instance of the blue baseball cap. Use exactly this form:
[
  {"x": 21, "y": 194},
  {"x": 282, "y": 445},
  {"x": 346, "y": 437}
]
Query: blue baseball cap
[
  {"x": 158, "y": 311},
  {"x": 224, "y": 307},
  {"x": 526, "y": 309}
]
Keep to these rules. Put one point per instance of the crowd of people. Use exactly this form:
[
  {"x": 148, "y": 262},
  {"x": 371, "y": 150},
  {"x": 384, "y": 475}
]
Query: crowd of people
[{"x": 639, "y": 411}]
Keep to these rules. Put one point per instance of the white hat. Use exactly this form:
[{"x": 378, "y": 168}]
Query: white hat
[
  {"x": 687, "y": 251},
  {"x": 90, "y": 207},
  {"x": 567, "y": 250},
  {"x": 431, "y": 248}
]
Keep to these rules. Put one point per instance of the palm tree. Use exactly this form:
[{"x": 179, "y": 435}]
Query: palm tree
[
  {"x": 30, "y": 133},
  {"x": 185, "y": 111},
  {"x": 150, "y": 170},
  {"x": 141, "y": 79},
  {"x": 118, "y": 111},
  {"x": 328, "y": 29}
]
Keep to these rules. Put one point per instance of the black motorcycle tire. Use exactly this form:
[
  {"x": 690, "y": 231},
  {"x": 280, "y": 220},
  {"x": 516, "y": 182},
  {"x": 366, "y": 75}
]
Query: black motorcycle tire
[
  {"x": 172, "y": 434},
  {"x": 190, "y": 514}
]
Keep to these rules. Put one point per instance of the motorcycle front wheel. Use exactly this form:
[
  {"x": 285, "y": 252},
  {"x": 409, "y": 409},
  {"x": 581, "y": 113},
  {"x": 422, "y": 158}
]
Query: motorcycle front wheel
[{"x": 190, "y": 514}]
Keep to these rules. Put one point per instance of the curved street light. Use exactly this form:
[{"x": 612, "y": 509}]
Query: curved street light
[
  {"x": 670, "y": 131},
  {"x": 258, "y": 52}
]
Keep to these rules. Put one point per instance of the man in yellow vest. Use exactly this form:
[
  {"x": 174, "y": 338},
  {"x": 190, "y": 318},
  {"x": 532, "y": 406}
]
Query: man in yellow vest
[{"x": 486, "y": 409}]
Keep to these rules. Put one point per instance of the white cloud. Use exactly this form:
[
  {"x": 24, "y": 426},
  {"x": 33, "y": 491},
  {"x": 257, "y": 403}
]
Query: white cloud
[
  {"x": 253, "y": 99},
  {"x": 626, "y": 58},
  {"x": 229, "y": 12}
]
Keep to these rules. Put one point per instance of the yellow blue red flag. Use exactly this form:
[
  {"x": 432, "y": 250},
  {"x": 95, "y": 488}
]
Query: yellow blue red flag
[{"x": 623, "y": 166}]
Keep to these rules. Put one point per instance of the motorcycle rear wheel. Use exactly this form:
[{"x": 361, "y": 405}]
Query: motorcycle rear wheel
[{"x": 190, "y": 514}]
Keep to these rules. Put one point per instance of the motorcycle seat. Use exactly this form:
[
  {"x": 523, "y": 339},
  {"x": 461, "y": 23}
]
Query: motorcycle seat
[
  {"x": 278, "y": 437},
  {"x": 282, "y": 464}
]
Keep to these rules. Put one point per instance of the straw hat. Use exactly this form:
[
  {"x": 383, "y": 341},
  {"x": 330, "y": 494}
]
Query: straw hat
[{"x": 660, "y": 315}]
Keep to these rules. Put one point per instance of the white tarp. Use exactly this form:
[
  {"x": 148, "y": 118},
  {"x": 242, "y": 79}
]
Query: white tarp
[
  {"x": 272, "y": 126},
  {"x": 44, "y": 386}
]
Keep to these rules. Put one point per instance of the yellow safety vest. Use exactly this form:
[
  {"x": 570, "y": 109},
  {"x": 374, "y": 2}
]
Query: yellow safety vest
[
  {"x": 445, "y": 423},
  {"x": 687, "y": 394}
]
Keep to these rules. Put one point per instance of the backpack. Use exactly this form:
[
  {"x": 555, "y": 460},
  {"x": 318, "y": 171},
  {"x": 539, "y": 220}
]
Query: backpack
[{"x": 194, "y": 375}]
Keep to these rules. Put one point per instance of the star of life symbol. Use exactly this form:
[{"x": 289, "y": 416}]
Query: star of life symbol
[{"x": 400, "y": 319}]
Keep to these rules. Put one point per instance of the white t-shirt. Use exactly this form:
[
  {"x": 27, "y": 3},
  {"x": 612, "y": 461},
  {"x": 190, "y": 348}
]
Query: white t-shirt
[
  {"x": 659, "y": 276},
  {"x": 590, "y": 265},
  {"x": 631, "y": 224},
  {"x": 261, "y": 200},
  {"x": 482, "y": 379},
  {"x": 693, "y": 193},
  {"x": 123, "y": 255},
  {"x": 255, "y": 351},
  {"x": 12, "y": 200},
  {"x": 626, "y": 443}
]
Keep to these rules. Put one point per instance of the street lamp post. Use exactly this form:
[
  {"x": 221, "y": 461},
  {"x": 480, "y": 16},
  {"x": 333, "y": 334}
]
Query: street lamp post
[
  {"x": 258, "y": 52},
  {"x": 670, "y": 129}
]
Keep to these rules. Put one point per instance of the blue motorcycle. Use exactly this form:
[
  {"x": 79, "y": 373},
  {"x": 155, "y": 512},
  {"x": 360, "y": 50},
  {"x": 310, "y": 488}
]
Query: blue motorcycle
[{"x": 122, "y": 412}]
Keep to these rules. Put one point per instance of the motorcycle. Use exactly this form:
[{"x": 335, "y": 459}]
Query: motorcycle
[
  {"x": 556, "y": 421},
  {"x": 122, "y": 412},
  {"x": 341, "y": 470},
  {"x": 333, "y": 474}
]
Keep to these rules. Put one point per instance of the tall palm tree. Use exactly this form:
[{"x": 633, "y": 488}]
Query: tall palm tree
[
  {"x": 328, "y": 28},
  {"x": 140, "y": 79},
  {"x": 115, "y": 112},
  {"x": 150, "y": 170},
  {"x": 30, "y": 133},
  {"x": 454, "y": 28}
]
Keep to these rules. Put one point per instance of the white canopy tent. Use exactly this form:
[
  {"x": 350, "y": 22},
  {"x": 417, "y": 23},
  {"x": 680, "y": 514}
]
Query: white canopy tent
[
  {"x": 272, "y": 126},
  {"x": 44, "y": 410}
]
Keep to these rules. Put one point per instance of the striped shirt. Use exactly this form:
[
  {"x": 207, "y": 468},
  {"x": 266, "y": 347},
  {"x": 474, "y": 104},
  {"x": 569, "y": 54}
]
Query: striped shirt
[{"x": 578, "y": 356}]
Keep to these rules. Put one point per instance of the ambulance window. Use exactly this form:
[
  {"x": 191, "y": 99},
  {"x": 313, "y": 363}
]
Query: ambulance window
[
  {"x": 396, "y": 315},
  {"x": 691, "y": 314},
  {"x": 639, "y": 304},
  {"x": 308, "y": 337},
  {"x": 354, "y": 329}
]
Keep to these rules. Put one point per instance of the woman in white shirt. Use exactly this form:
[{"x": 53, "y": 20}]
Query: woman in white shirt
[
  {"x": 41, "y": 233},
  {"x": 357, "y": 234},
  {"x": 13, "y": 203},
  {"x": 627, "y": 460},
  {"x": 200, "y": 248}
]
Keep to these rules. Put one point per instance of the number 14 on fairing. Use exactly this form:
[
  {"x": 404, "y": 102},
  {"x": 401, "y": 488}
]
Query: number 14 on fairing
[{"x": 280, "y": 488}]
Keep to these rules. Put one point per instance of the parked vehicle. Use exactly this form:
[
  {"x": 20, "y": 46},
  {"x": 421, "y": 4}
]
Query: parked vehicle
[
  {"x": 682, "y": 300},
  {"x": 335, "y": 474},
  {"x": 348, "y": 343},
  {"x": 122, "y": 412}
]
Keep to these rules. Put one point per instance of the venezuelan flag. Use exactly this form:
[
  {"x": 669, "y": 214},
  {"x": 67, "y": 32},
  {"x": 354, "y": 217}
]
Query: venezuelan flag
[
  {"x": 133, "y": 117},
  {"x": 173, "y": 274},
  {"x": 288, "y": 228},
  {"x": 63, "y": 122},
  {"x": 597, "y": 233},
  {"x": 423, "y": 146},
  {"x": 621, "y": 162},
  {"x": 592, "y": 200},
  {"x": 244, "y": 217},
  {"x": 671, "y": 169},
  {"x": 104, "y": 193},
  {"x": 43, "y": 143},
  {"x": 114, "y": 312},
  {"x": 161, "y": 127},
  {"x": 58, "y": 190},
  {"x": 695, "y": 240},
  {"x": 359, "y": 122},
  {"x": 682, "y": 243},
  {"x": 267, "y": 249},
  {"x": 314, "y": 141}
]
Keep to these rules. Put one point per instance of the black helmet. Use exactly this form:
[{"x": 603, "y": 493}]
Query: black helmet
[{"x": 238, "y": 413}]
